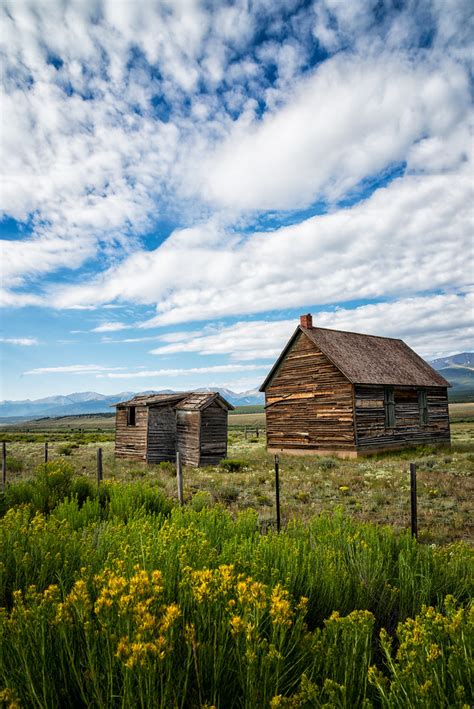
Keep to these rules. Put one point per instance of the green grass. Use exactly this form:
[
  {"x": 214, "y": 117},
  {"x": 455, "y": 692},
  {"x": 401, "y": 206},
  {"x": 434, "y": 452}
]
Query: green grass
[
  {"x": 122, "y": 599},
  {"x": 372, "y": 489}
]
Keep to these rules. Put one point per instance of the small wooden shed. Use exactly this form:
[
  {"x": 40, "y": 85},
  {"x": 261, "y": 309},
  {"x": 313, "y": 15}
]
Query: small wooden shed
[
  {"x": 344, "y": 393},
  {"x": 154, "y": 427}
]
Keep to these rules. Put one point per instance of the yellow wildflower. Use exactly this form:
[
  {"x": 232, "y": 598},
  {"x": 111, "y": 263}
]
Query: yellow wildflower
[
  {"x": 280, "y": 607},
  {"x": 171, "y": 614}
]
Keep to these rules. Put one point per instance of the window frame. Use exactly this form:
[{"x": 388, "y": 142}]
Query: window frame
[
  {"x": 423, "y": 407},
  {"x": 131, "y": 415},
  {"x": 389, "y": 406}
]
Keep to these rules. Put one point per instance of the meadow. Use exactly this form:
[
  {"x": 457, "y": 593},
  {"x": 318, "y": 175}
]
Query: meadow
[{"x": 114, "y": 596}]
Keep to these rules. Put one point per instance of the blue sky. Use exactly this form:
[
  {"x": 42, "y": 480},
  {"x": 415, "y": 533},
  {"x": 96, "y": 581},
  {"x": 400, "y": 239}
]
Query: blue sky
[{"x": 182, "y": 179}]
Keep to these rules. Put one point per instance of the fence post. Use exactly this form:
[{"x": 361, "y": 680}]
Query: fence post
[
  {"x": 277, "y": 490},
  {"x": 179, "y": 477},
  {"x": 99, "y": 467},
  {"x": 245, "y": 432},
  {"x": 256, "y": 432},
  {"x": 4, "y": 466},
  {"x": 414, "y": 520},
  {"x": 46, "y": 452}
]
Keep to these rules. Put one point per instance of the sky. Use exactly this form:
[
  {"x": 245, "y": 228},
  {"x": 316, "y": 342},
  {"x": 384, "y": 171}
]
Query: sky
[{"x": 180, "y": 180}]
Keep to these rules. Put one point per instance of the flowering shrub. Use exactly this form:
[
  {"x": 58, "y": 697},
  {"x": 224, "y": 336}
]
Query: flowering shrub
[{"x": 127, "y": 605}]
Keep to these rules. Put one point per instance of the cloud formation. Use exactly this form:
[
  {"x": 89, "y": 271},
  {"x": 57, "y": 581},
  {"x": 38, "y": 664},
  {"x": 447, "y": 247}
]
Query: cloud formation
[
  {"x": 441, "y": 320},
  {"x": 135, "y": 111},
  {"x": 23, "y": 341}
]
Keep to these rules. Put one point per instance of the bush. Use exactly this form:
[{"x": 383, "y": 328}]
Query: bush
[
  {"x": 227, "y": 493},
  {"x": 232, "y": 465},
  {"x": 83, "y": 489},
  {"x": 201, "y": 500},
  {"x": 51, "y": 484},
  {"x": 14, "y": 465},
  {"x": 326, "y": 463},
  {"x": 65, "y": 450},
  {"x": 167, "y": 468}
]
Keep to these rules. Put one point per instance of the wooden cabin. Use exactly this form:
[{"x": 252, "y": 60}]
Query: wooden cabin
[
  {"x": 342, "y": 393},
  {"x": 154, "y": 427}
]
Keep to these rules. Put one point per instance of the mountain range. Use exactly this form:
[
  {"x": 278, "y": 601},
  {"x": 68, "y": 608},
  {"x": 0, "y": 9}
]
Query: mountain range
[
  {"x": 458, "y": 369},
  {"x": 90, "y": 402}
]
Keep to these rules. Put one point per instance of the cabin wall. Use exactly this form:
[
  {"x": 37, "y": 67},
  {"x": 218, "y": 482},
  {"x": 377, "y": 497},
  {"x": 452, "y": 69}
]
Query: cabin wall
[
  {"x": 309, "y": 403},
  {"x": 408, "y": 430},
  {"x": 131, "y": 441},
  {"x": 188, "y": 436},
  {"x": 213, "y": 434},
  {"x": 161, "y": 434}
]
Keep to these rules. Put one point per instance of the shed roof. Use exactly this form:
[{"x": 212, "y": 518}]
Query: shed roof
[
  {"x": 368, "y": 359},
  {"x": 189, "y": 401},
  {"x": 154, "y": 399},
  {"x": 201, "y": 400}
]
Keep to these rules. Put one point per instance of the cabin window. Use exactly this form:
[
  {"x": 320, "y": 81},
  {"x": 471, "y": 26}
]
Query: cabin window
[
  {"x": 131, "y": 416},
  {"x": 423, "y": 407},
  {"x": 389, "y": 402}
]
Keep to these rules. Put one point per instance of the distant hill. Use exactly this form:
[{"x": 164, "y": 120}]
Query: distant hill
[
  {"x": 90, "y": 402},
  {"x": 458, "y": 369},
  {"x": 462, "y": 383},
  {"x": 464, "y": 359}
]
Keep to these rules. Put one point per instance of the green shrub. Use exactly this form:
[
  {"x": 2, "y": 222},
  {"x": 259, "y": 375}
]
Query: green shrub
[
  {"x": 126, "y": 500},
  {"x": 201, "y": 500},
  {"x": 232, "y": 465},
  {"x": 14, "y": 465},
  {"x": 167, "y": 468},
  {"x": 51, "y": 484},
  {"x": 83, "y": 489},
  {"x": 65, "y": 450},
  {"x": 326, "y": 463},
  {"x": 227, "y": 493}
]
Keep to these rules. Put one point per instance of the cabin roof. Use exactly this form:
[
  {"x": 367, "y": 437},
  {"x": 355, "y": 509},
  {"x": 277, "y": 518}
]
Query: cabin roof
[
  {"x": 367, "y": 359},
  {"x": 185, "y": 400},
  {"x": 201, "y": 400}
]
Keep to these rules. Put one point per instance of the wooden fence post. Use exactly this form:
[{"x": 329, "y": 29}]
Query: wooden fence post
[
  {"x": 245, "y": 432},
  {"x": 277, "y": 491},
  {"x": 256, "y": 432},
  {"x": 179, "y": 477},
  {"x": 4, "y": 466},
  {"x": 414, "y": 520},
  {"x": 99, "y": 467},
  {"x": 46, "y": 452}
]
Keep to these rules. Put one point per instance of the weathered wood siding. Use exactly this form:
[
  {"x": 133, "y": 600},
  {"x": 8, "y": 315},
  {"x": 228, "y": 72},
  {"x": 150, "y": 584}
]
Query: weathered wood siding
[
  {"x": 408, "y": 430},
  {"x": 188, "y": 436},
  {"x": 309, "y": 403},
  {"x": 161, "y": 434},
  {"x": 131, "y": 441},
  {"x": 213, "y": 434}
]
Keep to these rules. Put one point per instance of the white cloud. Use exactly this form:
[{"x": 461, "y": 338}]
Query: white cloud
[
  {"x": 73, "y": 369},
  {"x": 330, "y": 135},
  {"x": 87, "y": 160},
  {"x": 412, "y": 237},
  {"x": 214, "y": 369},
  {"x": 110, "y": 327},
  {"x": 23, "y": 341},
  {"x": 437, "y": 324}
]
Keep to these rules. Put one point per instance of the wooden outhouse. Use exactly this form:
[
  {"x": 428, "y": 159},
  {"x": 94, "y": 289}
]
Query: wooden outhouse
[
  {"x": 342, "y": 393},
  {"x": 154, "y": 427}
]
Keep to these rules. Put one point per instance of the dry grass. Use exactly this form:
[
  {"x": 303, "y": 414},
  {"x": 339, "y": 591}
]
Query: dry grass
[{"x": 374, "y": 488}]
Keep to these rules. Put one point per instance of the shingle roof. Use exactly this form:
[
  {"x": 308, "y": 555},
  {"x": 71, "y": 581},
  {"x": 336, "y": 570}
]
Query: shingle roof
[
  {"x": 200, "y": 400},
  {"x": 368, "y": 359},
  {"x": 190, "y": 401},
  {"x": 155, "y": 399}
]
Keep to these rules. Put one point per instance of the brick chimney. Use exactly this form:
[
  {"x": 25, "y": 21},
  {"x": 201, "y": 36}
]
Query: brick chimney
[{"x": 306, "y": 321}]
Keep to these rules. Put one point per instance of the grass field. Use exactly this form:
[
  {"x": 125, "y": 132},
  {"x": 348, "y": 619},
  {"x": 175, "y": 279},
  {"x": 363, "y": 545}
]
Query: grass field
[
  {"x": 368, "y": 489},
  {"x": 116, "y": 597}
]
